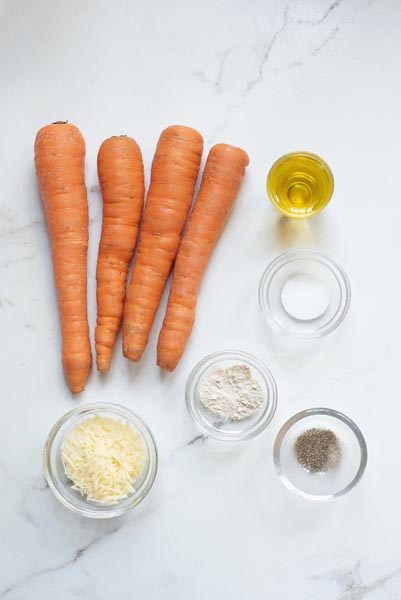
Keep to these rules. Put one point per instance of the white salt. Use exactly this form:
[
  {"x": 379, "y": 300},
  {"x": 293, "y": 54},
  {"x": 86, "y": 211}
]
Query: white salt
[{"x": 305, "y": 298}]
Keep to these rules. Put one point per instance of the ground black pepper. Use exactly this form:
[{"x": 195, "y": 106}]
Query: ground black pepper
[{"x": 318, "y": 450}]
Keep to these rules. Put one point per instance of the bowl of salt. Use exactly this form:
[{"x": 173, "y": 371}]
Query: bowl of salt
[{"x": 304, "y": 294}]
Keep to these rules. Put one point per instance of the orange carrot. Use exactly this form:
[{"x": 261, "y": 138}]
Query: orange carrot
[
  {"x": 174, "y": 172},
  {"x": 121, "y": 178},
  {"x": 222, "y": 177},
  {"x": 59, "y": 161}
]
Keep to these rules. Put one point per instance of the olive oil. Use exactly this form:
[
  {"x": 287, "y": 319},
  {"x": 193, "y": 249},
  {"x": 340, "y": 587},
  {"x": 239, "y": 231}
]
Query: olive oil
[{"x": 300, "y": 184}]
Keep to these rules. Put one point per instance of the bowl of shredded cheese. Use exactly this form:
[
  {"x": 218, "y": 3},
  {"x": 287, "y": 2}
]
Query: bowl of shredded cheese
[{"x": 100, "y": 460}]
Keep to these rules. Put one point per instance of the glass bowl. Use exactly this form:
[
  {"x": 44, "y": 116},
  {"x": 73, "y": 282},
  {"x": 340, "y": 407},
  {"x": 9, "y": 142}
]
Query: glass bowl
[
  {"x": 210, "y": 424},
  {"x": 300, "y": 184},
  {"x": 61, "y": 486},
  {"x": 333, "y": 483},
  {"x": 319, "y": 274}
]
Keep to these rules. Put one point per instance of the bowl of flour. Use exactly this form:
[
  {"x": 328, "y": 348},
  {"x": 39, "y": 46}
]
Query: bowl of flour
[{"x": 231, "y": 395}]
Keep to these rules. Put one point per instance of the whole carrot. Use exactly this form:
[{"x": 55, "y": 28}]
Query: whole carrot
[
  {"x": 121, "y": 177},
  {"x": 59, "y": 161},
  {"x": 174, "y": 172},
  {"x": 222, "y": 177}
]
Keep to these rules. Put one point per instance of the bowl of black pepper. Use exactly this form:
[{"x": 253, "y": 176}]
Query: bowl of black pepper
[{"x": 320, "y": 454}]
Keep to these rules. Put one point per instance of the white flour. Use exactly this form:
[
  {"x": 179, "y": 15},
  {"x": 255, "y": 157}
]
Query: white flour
[{"x": 232, "y": 394}]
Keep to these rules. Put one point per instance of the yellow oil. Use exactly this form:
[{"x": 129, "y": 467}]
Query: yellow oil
[{"x": 300, "y": 184}]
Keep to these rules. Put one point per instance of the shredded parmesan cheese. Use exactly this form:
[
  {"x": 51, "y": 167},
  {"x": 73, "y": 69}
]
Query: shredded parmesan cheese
[{"x": 103, "y": 457}]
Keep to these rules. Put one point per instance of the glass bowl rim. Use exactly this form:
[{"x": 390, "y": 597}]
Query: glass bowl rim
[
  {"x": 212, "y": 359},
  {"x": 324, "y": 259},
  {"x": 114, "y": 510},
  {"x": 331, "y": 412},
  {"x": 312, "y": 155}
]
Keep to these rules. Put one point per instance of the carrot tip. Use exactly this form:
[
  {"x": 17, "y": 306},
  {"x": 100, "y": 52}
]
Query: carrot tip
[
  {"x": 77, "y": 372},
  {"x": 103, "y": 364},
  {"x": 165, "y": 365},
  {"x": 134, "y": 355},
  {"x": 76, "y": 386}
]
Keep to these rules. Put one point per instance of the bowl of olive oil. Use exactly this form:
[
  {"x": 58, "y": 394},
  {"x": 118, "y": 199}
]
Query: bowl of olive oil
[{"x": 300, "y": 184}]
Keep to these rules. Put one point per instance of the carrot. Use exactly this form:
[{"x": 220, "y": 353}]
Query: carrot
[
  {"x": 121, "y": 178},
  {"x": 59, "y": 161},
  {"x": 222, "y": 177},
  {"x": 174, "y": 172}
]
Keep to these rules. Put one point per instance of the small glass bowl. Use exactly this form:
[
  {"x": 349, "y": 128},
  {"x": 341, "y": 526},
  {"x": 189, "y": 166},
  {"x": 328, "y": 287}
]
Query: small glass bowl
[
  {"x": 332, "y": 483},
  {"x": 61, "y": 486},
  {"x": 208, "y": 423},
  {"x": 305, "y": 172},
  {"x": 316, "y": 266}
]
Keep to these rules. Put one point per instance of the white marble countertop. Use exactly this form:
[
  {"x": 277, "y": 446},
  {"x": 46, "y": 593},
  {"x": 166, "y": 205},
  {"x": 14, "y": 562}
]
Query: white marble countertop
[{"x": 269, "y": 76}]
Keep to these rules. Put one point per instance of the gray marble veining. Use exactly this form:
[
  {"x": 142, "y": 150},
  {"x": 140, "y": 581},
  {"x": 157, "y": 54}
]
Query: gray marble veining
[{"x": 271, "y": 77}]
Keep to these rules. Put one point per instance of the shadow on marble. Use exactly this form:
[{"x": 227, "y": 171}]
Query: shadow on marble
[
  {"x": 298, "y": 233},
  {"x": 295, "y": 515}
]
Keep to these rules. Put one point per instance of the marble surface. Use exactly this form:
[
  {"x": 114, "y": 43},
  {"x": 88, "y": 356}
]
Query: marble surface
[{"x": 271, "y": 77}]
